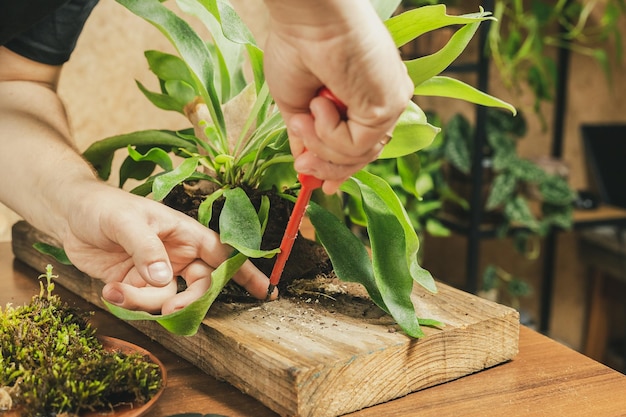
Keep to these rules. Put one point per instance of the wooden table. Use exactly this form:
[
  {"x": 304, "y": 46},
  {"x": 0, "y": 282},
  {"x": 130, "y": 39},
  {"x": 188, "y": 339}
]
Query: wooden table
[{"x": 545, "y": 379}]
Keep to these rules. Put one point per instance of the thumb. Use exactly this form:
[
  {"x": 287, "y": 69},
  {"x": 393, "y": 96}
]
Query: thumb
[{"x": 149, "y": 255}]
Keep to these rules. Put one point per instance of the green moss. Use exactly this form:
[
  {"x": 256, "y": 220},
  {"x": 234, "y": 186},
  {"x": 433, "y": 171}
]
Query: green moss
[{"x": 52, "y": 362}]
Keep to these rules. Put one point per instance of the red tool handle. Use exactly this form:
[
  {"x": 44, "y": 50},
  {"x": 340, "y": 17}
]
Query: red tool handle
[{"x": 309, "y": 183}]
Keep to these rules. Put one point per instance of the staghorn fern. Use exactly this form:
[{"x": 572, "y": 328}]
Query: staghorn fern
[{"x": 238, "y": 140}]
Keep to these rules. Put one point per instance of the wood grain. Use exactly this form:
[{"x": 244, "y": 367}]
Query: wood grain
[{"x": 320, "y": 359}]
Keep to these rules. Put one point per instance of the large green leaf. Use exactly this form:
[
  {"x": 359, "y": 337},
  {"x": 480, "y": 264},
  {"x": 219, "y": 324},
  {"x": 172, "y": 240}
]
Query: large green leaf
[
  {"x": 394, "y": 260},
  {"x": 502, "y": 190},
  {"x": 160, "y": 100},
  {"x": 229, "y": 36},
  {"x": 457, "y": 145},
  {"x": 415, "y": 22},
  {"x": 556, "y": 190},
  {"x": 166, "y": 182},
  {"x": 388, "y": 276},
  {"x": 424, "y": 68},
  {"x": 156, "y": 155},
  {"x": 191, "y": 48},
  {"x": 409, "y": 171},
  {"x": 346, "y": 251},
  {"x": 441, "y": 86},
  {"x": 168, "y": 67},
  {"x": 240, "y": 226},
  {"x": 205, "y": 210},
  {"x": 180, "y": 91},
  {"x": 380, "y": 200},
  {"x": 412, "y": 133},
  {"x": 100, "y": 153},
  {"x": 517, "y": 211},
  {"x": 56, "y": 252}
]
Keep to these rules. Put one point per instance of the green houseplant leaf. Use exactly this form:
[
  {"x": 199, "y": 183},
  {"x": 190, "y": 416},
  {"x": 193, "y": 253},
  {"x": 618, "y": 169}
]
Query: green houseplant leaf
[
  {"x": 164, "y": 183},
  {"x": 240, "y": 225},
  {"x": 191, "y": 48},
  {"x": 441, "y": 86},
  {"x": 393, "y": 275},
  {"x": 416, "y": 22},
  {"x": 424, "y": 68},
  {"x": 100, "y": 154},
  {"x": 412, "y": 133},
  {"x": 54, "y": 251}
]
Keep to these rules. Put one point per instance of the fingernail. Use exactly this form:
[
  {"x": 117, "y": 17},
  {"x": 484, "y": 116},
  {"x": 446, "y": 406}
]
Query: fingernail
[
  {"x": 115, "y": 297},
  {"x": 160, "y": 273}
]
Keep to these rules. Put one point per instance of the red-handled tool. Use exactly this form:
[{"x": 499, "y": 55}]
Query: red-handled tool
[{"x": 309, "y": 183}]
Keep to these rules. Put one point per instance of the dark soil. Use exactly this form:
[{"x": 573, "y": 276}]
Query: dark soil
[{"x": 308, "y": 259}]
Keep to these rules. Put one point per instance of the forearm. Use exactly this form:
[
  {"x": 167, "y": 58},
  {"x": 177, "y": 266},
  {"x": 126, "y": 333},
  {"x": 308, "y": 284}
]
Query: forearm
[
  {"x": 41, "y": 172},
  {"x": 303, "y": 13}
]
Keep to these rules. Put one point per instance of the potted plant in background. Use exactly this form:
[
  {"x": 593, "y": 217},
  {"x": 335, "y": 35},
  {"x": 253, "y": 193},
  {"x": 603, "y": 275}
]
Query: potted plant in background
[
  {"x": 523, "y": 199},
  {"x": 524, "y": 36}
]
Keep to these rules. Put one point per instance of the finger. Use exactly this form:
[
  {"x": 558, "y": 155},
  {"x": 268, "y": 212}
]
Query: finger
[
  {"x": 146, "y": 298},
  {"x": 332, "y": 186},
  {"x": 328, "y": 137},
  {"x": 295, "y": 143},
  {"x": 198, "y": 278},
  {"x": 350, "y": 139},
  {"x": 147, "y": 250},
  {"x": 254, "y": 281},
  {"x": 134, "y": 278},
  {"x": 310, "y": 164},
  {"x": 248, "y": 276},
  {"x": 335, "y": 148}
]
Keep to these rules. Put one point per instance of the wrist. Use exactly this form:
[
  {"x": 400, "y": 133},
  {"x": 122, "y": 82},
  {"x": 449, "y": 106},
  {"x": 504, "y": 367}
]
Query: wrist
[
  {"x": 63, "y": 197},
  {"x": 308, "y": 16}
]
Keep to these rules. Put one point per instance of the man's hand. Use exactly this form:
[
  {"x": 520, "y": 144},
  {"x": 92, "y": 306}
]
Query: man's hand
[
  {"x": 343, "y": 45},
  {"x": 139, "y": 247}
]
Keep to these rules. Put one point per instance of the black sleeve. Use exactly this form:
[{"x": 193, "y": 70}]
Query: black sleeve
[{"x": 52, "y": 39}]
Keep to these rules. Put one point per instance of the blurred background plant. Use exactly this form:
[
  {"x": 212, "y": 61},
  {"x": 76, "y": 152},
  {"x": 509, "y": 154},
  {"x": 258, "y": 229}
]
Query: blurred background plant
[
  {"x": 523, "y": 38},
  {"x": 522, "y": 198},
  {"x": 525, "y": 35}
]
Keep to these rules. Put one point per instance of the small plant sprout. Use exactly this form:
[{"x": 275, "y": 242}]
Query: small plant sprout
[{"x": 49, "y": 286}]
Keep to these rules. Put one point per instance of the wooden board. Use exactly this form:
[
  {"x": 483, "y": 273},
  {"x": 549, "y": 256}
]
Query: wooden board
[{"x": 321, "y": 357}]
